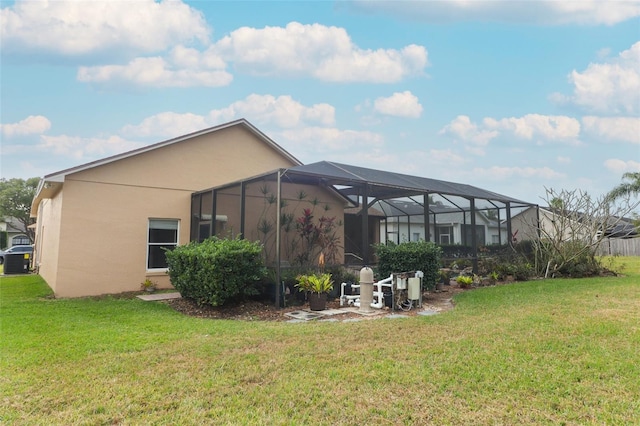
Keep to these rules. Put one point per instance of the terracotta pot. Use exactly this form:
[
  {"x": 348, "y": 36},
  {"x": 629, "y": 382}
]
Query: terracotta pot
[{"x": 318, "y": 301}]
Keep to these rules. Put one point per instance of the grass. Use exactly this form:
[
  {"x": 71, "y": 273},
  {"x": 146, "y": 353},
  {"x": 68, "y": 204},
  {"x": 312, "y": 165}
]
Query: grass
[{"x": 541, "y": 352}]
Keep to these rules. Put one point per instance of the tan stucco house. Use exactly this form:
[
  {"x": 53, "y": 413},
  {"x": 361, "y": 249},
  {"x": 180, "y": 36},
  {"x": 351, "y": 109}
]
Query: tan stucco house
[{"x": 101, "y": 227}]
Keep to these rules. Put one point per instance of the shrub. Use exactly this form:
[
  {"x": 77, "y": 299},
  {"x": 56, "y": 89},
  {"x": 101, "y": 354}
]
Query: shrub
[
  {"x": 216, "y": 271},
  {"x": 465, "y": 281},
  {"x": 412, "y": 256}
]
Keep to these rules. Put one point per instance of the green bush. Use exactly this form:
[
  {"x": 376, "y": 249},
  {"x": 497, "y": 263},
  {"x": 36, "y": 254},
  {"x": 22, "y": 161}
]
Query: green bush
[
  {"x": 216, "y": 271},
  {"x": 412, "y": 256}
]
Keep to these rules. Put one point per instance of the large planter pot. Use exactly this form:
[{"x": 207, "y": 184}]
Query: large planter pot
[{"x": 318, "y": 301}]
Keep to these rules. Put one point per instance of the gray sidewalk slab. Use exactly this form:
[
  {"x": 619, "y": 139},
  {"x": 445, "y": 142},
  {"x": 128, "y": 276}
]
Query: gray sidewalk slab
[{"x": 159, "y": 296}]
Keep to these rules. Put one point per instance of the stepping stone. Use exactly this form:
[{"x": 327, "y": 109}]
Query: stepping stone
[
  {"x": 394, "y": 316},
  {"x": 428, "y": 312},
  {"x": 303, "y": 315},
  {"x": 159, "y": 296}
]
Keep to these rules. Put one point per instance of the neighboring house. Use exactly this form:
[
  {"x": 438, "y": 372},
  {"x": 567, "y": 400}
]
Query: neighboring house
[
  {"x": 16, "y": 234},
  {"x": 532, "y": 222},
  {"x": 101, "y": 227},
  {"x": 447, "y": 225}
]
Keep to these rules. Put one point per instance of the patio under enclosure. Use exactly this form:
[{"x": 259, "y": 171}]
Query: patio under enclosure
[{"x": 339, "y": 211}]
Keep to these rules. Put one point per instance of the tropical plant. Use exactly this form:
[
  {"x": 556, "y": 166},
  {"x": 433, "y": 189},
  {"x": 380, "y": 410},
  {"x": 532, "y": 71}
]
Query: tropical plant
[
  {"x": 315, "y": 283},
  {"x": 465, "y": 281},
  {"x": 148, "y": 285},
  {"x": 626, "y": 189}
]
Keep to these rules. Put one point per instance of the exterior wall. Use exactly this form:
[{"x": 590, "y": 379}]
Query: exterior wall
[
  {"x": 260, "y": 215},
  {"x": 48, "y": 238},
  {"x": 524, "y": 225},
  {"x": 102, "y": 242}
]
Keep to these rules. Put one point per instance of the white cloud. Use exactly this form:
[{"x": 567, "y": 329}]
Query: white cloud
[
  {"x": 584, "y": 12},
  {"x": 32, "y": 125},
  {"x": 546, "y": 127},
  {"x": 184, "y": 67},
  {"x": 89, "y": 27},
  {"x": 282, "y": 111},
  {"x": 167, "y": 124},
  {"x": 500, "y": 173},
  {"x": 622, "y": 166},
  {"x": 609, "y": 87},
  {"x": 85, "y": 148},
  {"x": 400, "y": 104},
  {"x": 563, "y": 160},
  {"x": 625, "y": 129},
  {"x": 464, "y": 130},
  {"x": 326, "y": 53}
]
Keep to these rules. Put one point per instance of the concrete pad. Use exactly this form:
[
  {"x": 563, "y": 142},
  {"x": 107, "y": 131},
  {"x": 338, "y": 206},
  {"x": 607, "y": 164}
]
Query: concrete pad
[
  {"x": 304, "y": 315},
  {"x": 159, "y": 296},
  {"x": 428, "y": 312},
  {"x": 393, "y": 316},
  {"x": 369, "y": 314},
  {"x": 330, "y": 312}
]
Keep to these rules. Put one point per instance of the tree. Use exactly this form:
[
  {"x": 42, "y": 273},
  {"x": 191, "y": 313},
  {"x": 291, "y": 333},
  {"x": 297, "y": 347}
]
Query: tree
[
  {"x": 569, "y": 235},
  {"x": 626, "y": 189},
  {"x": 16, "y": 196}
]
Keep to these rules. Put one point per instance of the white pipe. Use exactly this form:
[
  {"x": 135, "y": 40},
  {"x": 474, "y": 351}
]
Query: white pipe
[{"x": 346, "y": 299}]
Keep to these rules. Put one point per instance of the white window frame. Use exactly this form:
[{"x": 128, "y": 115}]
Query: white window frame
[{"x": 149, "y": 244}]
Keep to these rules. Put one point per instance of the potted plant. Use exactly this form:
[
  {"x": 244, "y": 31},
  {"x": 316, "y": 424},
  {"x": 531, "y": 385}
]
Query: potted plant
[
  {"x": 464, "y": 281},
  {"x": 317, "y": 287},
  {"x": 148, "y": 286},
  {"x": 443, "y": 279}
]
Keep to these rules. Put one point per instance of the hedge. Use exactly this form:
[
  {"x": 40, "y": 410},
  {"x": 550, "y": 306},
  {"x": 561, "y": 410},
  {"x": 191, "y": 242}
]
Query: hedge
[
  {"x": 216, "y": 271},
  {"x": 411, "y": 256}
]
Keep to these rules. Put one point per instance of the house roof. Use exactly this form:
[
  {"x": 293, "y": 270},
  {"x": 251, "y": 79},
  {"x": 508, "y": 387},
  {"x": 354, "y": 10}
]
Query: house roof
[
  {"x": 52, "y": 183},
  {"x": 386, "y": 185},
  {"x": 59, "y": 176}
]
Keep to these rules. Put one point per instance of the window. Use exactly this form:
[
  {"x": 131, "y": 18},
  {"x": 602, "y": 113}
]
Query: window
[
  {"x": 20, "y": 240},
  {"x": 163, "y": 235},
  {"x": 445, "y": 234},
  {"x": 416, "y": 236}
]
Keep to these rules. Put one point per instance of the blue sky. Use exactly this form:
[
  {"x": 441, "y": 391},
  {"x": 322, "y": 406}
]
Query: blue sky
[{"x": 512, "y": 97}]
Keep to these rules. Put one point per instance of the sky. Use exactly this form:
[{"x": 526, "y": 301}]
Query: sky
[{"x": 515, "y": 97}]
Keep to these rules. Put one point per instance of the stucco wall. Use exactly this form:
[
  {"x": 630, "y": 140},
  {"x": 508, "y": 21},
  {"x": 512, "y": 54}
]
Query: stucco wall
[
  {"x": 47, "y": 239},
  {"x": 103, "y": 228},
  {"x": 525, "y": 225},
  {"x": 321, "y": 202}
]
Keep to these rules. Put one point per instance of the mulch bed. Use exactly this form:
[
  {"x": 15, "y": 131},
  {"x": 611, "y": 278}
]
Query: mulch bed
[{"x": 262, "y": 311}]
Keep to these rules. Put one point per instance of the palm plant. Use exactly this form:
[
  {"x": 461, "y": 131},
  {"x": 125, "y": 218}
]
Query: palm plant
[{"x": 626, "y": 189}]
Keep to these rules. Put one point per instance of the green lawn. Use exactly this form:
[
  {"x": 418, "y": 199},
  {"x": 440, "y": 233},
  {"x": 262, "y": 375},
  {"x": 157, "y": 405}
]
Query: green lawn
[{"x": 542, "y": 352}]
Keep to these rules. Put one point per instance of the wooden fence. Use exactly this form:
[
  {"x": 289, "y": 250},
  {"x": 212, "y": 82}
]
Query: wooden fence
[{"x": 621, "y": 247}]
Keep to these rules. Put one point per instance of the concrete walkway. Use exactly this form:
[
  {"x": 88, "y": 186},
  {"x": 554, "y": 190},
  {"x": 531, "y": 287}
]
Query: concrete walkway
[{"x": 159, "y": 296}]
